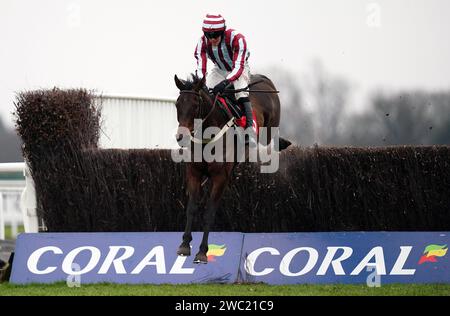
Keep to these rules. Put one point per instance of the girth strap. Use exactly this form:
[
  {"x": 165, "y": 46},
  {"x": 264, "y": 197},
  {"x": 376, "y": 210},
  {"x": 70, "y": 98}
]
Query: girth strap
[{"x": 224, "y": 129}]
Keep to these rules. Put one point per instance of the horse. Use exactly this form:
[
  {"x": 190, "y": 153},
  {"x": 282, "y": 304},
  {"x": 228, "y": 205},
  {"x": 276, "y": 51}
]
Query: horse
[{"x": 195, "y": 102}]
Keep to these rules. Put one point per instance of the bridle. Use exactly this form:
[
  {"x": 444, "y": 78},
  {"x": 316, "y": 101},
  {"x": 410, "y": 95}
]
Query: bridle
[
  {"x": 224, "y": 129},
  {"x": 200, "y": 102}
]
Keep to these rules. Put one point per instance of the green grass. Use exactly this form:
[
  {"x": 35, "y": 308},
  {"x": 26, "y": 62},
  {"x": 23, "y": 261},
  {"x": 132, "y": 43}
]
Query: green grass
[
  {"x": 8, "y": 233},
  {"x": 224, "y": 290}
]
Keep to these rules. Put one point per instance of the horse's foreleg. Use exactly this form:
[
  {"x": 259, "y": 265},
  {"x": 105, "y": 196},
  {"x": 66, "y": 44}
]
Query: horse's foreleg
[
  {"x": 219, "y": 183},
  {"x": 194, "y": 185}
]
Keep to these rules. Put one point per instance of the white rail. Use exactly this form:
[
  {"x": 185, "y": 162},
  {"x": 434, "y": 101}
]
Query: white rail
[
  {"x": 12, "y": 167},
  {"x": 27, "y": 198},
  {"x": 138, "y": 122}
]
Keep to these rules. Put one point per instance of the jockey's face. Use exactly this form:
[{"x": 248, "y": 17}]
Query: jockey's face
[{"x": 215, "y": 41}]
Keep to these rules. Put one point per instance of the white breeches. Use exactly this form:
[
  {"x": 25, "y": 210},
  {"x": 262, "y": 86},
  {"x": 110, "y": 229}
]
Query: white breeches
[{"x": 216, "y": 75}]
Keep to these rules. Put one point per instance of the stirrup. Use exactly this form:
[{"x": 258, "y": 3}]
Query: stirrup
[{"x": 250, "y": 138}]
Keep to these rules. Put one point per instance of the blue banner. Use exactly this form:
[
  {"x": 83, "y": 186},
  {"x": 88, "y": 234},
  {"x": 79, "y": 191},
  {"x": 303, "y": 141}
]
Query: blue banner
[
  {"x": 123, "y": 258},
  {"x": 373, "y": 258}
]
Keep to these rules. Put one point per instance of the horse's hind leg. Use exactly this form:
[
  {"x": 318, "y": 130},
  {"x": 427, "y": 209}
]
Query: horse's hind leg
[
  {"x": 194, "y": 185},
  {"x": 219, "y": 183}
]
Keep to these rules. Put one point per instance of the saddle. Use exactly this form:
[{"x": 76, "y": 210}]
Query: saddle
[{"x": 231, "y": 108}]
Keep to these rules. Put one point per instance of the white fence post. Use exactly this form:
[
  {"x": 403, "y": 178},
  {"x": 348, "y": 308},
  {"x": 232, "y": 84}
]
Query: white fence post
[
  {"x": 27, "y": 201},
  {"x": 28, "y": 204}
]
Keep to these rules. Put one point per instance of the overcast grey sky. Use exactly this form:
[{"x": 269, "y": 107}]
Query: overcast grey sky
[{"x": 135, "y": 47}]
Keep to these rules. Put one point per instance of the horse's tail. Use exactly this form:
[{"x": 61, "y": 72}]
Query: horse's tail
[{"x": 283, "y": 143}]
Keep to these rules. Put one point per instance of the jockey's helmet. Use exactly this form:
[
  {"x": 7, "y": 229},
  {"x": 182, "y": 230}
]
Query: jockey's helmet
[{"x": 213, "y": 25}]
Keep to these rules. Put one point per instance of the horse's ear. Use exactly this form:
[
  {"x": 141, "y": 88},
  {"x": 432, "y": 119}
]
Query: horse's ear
[
  {"x": 200, "y": 84},
  {"x": 179, "y": 83}
]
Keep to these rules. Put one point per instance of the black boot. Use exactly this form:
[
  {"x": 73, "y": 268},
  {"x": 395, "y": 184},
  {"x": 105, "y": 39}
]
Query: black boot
[{"x": 250, "y": 137}]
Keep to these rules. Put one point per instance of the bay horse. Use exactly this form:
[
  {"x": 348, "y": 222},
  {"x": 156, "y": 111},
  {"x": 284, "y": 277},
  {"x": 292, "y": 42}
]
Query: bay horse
[{"x": 195, "y": 102}]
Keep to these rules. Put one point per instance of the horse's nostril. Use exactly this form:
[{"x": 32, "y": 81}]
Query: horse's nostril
[{"x": 178, "y": 137}]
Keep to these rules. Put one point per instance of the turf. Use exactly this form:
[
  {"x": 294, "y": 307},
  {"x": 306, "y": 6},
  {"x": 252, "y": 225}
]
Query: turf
[
  {"x": 8, "y": 231},
  {"x": 226, "y": 290}
]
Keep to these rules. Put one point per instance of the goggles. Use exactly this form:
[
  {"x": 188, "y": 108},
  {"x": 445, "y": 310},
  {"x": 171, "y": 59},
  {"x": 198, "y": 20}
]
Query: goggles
[{"x": 211, "y": 35}]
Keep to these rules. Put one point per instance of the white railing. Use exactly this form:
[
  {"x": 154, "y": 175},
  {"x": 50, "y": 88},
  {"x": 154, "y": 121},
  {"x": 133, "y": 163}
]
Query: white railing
[
  {"x": 138, "y": 122},
  {"x": 10, "y": 190},
  {"x": 11, "y": 209}
]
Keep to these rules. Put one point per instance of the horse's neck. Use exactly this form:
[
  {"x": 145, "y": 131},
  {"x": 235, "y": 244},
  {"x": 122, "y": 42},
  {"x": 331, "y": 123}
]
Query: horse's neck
[{"x": 216, "y": 117}]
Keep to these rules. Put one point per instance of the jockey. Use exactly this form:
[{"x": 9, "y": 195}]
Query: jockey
[{"x": 227, "y": 49}]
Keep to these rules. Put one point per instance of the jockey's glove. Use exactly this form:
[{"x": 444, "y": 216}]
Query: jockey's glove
[{"x": 220, "y": 87}]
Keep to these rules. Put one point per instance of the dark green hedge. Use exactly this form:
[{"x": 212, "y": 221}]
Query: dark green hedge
[{"x": 83, "y": 188}]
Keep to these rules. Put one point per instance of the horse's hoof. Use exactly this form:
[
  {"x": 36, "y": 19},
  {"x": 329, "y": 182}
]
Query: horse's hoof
[
  {"x": 201, "y": 258},
  {"x": 184, "y": 251}
]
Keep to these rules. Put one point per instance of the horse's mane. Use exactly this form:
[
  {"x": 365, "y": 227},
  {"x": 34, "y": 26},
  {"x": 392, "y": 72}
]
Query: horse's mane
[{"x": 191, "y": 83}]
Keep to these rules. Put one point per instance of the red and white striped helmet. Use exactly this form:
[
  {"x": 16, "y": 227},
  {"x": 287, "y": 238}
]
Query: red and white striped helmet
[{"x": 213, "y": 23}]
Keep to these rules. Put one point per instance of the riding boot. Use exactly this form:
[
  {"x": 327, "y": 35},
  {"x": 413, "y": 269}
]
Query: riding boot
[{"x": 250, "y": 137}]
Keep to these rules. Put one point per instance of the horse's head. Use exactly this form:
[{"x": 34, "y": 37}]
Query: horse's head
[{"x": 188, "y": 104}]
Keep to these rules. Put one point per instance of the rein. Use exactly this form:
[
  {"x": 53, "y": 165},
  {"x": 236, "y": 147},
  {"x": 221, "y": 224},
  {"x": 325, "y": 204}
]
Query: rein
[
  {"x": 224, "y": 129},
  {"x": 200, "y": 100},
  {"x": 247, "y": 89}
]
